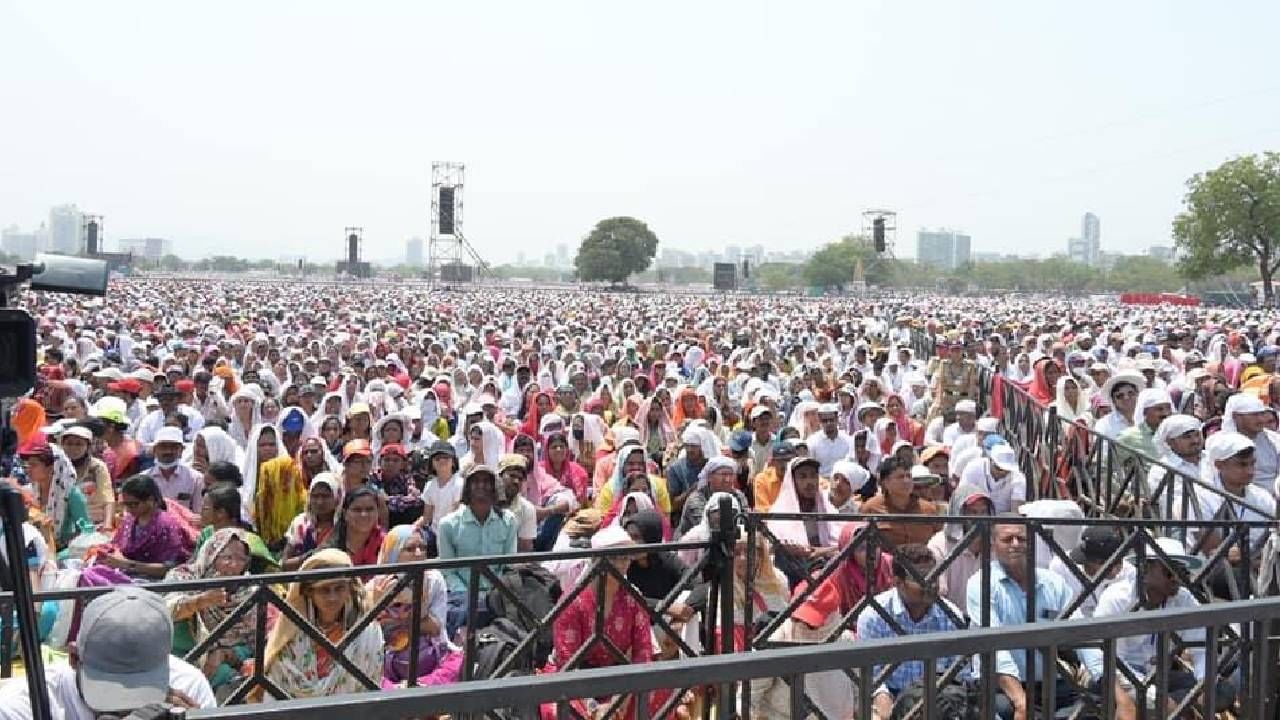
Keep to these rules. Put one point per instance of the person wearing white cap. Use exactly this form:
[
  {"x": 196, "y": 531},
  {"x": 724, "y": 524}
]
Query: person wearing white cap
[
  {"x": 1162, "y": 588},
  {"x": 829, "y": 444},
  {"x": 91, "y": 474},
  {"x": 1246, "y": 415},
  {"x": 966, "y": 422},
  {"x": 761, "y": 423},
  {"x": 999, "y": 477},
  {"x": 1153, "y": 407},
  {"x": 1228, "y": 470},
  {"x": 1179, "y": 442},
  {"x": 177, "y": 480},
  {"x": 119, "y": 663}
]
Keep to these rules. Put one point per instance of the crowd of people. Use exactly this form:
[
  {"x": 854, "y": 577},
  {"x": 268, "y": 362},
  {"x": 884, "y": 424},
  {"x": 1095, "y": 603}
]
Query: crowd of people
[{"x": 184, "y": 431}]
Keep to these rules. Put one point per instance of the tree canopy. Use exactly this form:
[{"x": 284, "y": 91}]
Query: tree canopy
[
  {"x": 1231, "y": 218},
  {"x": 616, "y": 249},
  {"x": 834, "y": 265}
]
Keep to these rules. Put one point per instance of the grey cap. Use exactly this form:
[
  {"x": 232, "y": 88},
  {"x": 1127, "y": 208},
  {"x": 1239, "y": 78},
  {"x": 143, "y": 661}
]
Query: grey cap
[{"x": 123, "y": 645}]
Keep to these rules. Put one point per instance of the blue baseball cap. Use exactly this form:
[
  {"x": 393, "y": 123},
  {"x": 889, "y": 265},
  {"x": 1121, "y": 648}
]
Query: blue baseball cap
[{"x": 740, "y": 441}]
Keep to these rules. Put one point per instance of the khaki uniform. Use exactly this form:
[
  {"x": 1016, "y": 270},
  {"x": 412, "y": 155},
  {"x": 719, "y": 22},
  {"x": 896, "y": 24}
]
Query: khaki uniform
[{"x": 952, "y": 383}]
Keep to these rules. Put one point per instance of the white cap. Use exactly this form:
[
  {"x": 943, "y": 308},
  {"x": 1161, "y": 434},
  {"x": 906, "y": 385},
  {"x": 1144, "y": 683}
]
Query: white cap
[
  {"x": 110, "y": 373},
  {"x": 79, "y": 431},
  {"x": 966, "y": 406},
  {"x": 169, "y": 435},
  {"x": 988, "y": 425},
  {"x": 759, "y": 410},
  {"x": 921, "y": 475},
  {"x": 1004, "y": 457},
  {"x": 143, "y": 375}
]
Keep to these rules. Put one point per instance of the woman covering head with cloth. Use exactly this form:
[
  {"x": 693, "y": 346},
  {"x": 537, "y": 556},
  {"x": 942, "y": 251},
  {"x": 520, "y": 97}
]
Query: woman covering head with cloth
[
  {"x": 438, "y": 663},
  {"x": 264, "y": 446},
  {"x": 91, "y": 474},
  {"x": 56, "y": 492},
  {"x": 295, "y": 663},
  {"x": 1071, "y": 402},
  {"x": 311, "y": 529},
  {"x": 227, "y": 553},
  {"x": 630, "y": 468},
  {"x": 800, "y": 542}
]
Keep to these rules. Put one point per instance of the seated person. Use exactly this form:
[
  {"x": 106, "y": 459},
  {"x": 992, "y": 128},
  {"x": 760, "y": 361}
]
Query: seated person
[
  {"x": 897, "y": 497},
  {"x": 916, "y": 609},
  {"x": 477, "y": 528}
]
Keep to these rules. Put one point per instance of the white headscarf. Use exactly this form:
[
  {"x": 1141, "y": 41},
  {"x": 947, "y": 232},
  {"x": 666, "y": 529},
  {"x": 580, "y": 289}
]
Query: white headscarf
[
  {"x": 1171, "y": 427},
  {"x": 793, "y": 531},
  {"x": 1243, "y": 403},
  {"x": 1065, "y": 411},
  {"x": 492, "y": 444},
  {"x": 248, "y": 492},
  {"x": 218, "y": 445},
  {"x": 237, "y": 430}
]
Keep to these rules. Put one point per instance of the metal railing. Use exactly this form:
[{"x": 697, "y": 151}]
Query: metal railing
[
  {"x": 1069, "y": 460},
  {"x": 1221, "y": 578},
  {"x": 266, "y": 598},
  {"x": 792, "y": 666}
]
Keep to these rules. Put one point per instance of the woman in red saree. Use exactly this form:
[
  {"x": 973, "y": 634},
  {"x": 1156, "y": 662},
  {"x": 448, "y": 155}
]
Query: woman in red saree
[{"x": 558, "y": 463}]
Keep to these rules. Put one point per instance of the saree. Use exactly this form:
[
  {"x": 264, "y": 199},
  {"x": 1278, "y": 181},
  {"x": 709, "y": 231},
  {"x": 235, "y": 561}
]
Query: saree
[
  {"x": 223, "y": 663},
  {"x": 162, "y": 540},
  {"x": 300, "y": 668}
]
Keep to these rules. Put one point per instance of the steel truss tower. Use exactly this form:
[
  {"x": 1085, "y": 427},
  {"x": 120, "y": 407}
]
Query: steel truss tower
[{"x": 448, "y": 250}]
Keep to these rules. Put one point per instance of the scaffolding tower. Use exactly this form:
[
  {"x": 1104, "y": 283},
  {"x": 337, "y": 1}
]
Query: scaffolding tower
[{"x": 450, "y": 258}]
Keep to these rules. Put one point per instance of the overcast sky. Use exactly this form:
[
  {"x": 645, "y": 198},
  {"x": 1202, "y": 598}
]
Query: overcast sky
[{"x": 262, "y": 129}]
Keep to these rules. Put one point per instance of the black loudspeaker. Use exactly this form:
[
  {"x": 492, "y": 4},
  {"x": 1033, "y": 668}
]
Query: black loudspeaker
[
  {"x": 17, "y": 352},
  {"x": 299, "y": 264},
  {"x": 746, "y": 270},
  {"x": 353, "y": 248},
  {"x": 877, "y": 234},
  {"x": 446, "y": 211},
  {"x": 455, "y": 273},
  {"x": 724, "y": 276},
  {"x": 91, "y": 238}
]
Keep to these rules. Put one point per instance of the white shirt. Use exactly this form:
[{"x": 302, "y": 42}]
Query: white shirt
[
  {"x": 1111, "y": 425},
  {"x": 1138, "y": 651},
  {"x": 827, "y": 451},
  {"x": 1004, "y": 493},
  {"x": 952, "y": 432},
  {"x": 1090, "y": 603},
  {"x": 443, "y": 500},
  {"x": 65, "y": 702},
  {"x": 37, "y": 548},
  {"x": 1210, "y": 503},
  {"x": 526, "y": 518}
]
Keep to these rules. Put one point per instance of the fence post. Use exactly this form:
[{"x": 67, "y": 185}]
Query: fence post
[{"x": 724, "y": 538}]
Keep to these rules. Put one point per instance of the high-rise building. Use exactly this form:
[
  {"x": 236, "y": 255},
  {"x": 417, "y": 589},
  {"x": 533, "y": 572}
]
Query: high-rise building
[
  {"x": 15, "y": 242},
  {"x": 413, "y": 252},
  {"x": 1163, "y": 253},
  {"x": 64, "y": 230},
  {"x": 1087, "y": 249},
  {"x": 942, "y": 248},
  {"x": 149, "y": 248}
]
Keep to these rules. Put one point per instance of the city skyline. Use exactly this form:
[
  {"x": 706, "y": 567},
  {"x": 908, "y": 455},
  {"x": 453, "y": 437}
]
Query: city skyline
[{"x": 749, "y": 128}]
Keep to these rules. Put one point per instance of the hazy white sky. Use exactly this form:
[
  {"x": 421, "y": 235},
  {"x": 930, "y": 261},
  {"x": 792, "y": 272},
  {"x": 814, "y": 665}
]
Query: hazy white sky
[{"x": 262, "y": 129}]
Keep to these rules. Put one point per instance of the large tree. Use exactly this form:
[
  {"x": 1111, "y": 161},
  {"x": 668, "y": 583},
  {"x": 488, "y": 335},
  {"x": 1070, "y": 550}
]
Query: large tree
[
  {"x": 616, "y": 249},
  {"x": 834, "y": 265},
  {"x": 1231, "y": 218}
]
